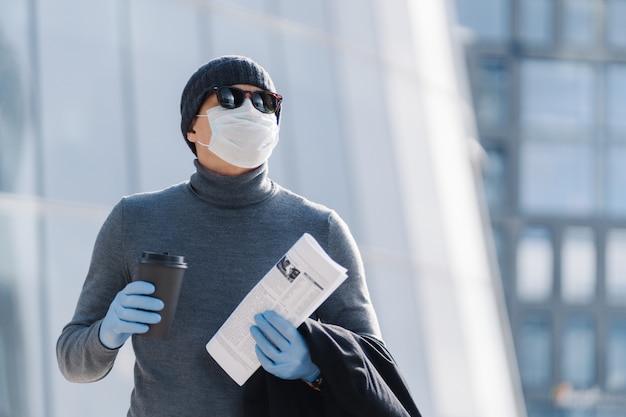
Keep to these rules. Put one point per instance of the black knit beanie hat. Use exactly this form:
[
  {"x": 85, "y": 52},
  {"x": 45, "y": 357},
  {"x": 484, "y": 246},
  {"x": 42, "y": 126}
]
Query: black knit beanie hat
[{"x": 222, "y": 71}]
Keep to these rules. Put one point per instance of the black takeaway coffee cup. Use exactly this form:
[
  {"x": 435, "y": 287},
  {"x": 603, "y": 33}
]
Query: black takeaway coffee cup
[{"x": 166, "y": 272}]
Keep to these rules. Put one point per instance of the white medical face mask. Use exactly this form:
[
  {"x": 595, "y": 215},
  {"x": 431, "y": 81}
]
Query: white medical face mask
[{"x": 244, "y": 136}]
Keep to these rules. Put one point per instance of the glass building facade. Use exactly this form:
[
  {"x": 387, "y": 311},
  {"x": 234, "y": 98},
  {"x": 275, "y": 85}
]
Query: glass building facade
[
  {"x": 548, "y": 79},
  {"x": 376, "y": 124}
]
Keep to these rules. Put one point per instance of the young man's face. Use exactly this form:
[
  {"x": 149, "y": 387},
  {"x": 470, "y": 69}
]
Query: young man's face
[{"x": 201, "y": 131}]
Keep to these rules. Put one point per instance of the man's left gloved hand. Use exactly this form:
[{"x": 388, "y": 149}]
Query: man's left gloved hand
[{"x": 281, "y": 349}]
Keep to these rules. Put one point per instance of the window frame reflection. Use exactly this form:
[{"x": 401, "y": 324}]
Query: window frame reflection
[
  {"x": 578, "y": 357},
  {"x": 535, "y": 345},
  {"x": 616, "y": 356},
  {"x": 615, "y": 267},
  {"x": 535, "y": 265},
  {"x": 578, "y": 265}
]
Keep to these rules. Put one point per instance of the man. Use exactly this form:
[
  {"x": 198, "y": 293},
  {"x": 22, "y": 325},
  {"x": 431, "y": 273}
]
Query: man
[{"x": 228, "y": 222}]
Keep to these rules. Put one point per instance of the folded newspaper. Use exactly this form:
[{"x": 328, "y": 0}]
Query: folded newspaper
[{"x": 294, "y": 288}]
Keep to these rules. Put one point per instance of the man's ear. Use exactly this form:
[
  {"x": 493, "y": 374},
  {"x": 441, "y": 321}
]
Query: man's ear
[{"x": 191, "y": 135}]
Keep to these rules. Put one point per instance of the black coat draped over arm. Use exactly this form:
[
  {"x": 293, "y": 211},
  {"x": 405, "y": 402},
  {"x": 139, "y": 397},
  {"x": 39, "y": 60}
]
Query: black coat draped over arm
[{"x": 360, "y": 378}]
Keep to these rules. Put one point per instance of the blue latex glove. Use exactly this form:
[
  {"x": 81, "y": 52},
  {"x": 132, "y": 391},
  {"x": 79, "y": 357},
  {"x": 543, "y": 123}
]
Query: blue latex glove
[
  {"x": 281, "y": 349},
  {"x": 130, "y": 312}
]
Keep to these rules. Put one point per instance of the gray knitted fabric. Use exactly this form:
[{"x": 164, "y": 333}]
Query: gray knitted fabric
[{"x": 231, "y": 230}]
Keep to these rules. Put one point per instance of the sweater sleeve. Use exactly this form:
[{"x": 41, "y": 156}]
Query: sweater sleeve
[
  {"x": 80, "y": 354},
  {"x": 350, "y": 305}
]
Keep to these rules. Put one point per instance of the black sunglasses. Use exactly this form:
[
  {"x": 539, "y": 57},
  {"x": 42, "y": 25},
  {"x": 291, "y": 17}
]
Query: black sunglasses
[{"x": 233, "y": 97}]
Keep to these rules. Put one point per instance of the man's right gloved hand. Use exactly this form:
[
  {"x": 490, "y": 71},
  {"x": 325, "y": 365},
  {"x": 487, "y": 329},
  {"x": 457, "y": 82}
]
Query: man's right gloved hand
[{"x": 131, "y": 311}]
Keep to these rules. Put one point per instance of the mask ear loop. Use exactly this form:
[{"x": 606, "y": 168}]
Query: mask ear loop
[{"x": 206, "y": 145}]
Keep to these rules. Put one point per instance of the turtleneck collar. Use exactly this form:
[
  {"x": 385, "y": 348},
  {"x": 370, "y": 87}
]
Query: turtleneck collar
[{"x": 231, "y": 191}]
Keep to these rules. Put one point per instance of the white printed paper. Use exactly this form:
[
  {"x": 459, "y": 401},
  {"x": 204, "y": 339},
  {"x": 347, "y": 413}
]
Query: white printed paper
[{"x": 294, "y": 288}]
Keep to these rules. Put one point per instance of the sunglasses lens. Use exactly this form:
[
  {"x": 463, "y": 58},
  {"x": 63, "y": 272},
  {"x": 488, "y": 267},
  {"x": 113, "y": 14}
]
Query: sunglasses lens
[
  {"x": 264, "y": 102},
  {"x": 230, "y": 98}
]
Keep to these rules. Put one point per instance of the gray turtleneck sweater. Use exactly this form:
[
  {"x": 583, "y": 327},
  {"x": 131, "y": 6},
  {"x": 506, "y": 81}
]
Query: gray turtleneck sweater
[{"x": 231, "y": 230}]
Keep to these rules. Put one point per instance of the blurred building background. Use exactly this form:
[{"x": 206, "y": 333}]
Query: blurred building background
[
  {"x": 384, "y": 102},
  {"x": 548, "y": 79}
]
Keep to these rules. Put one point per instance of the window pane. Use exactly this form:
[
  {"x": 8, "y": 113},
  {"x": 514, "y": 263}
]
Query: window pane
[
  {"x": 616, "y": 181},
  {"x": 495, "y": 178},
  {"x": 557, "y": 99},
  {"x": 19, "y": 245},
  {"x": 616, "y": 267},
  {"x": 302, "y": 11},
  {"x": 323, "y": 141},
  {"x": 488, "y": 19},
  {"x": 616, "y": 101},
  {"x": 10, "y": 347},
  {"x": 616, "y": 16},
  {"x": 492, "y": 103},
  {"x": 534, "y": 265},
  {"x": 578, "y": 258},
  {"x": 84, "y": 144},
  {"x": 557, "y": 178},
  {"x": 578, "y": 22},
  {"x": 155, "y": 27},
  {"x": 349, "y": 17},
  {"x": 16, "y": 154},
  {"x": 579, "y": 353},
  {"x": 12, "y": 117},
  {"x": 534, "y": 353},
  {"x": 536, "y": 21},
  {"x": 616, "y": 357}
]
